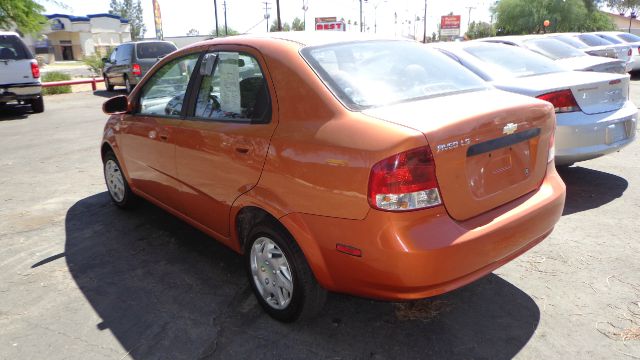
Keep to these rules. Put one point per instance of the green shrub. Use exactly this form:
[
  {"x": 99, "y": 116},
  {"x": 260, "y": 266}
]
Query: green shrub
[
  {"x": 94, "y": 63},
  {"x": 56, "y": 76}
]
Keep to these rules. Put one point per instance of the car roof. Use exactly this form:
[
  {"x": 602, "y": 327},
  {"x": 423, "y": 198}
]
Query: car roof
[
  {"x": 302, "y": 38},
  {"x": 9, "y": 33}
]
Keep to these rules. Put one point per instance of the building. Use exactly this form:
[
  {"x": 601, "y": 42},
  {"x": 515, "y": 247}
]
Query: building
[
  {"x": 623, "y": 23},
  {"x": 69, "y": 37}
]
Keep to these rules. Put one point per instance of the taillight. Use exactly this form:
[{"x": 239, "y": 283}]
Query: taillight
[
  {"x": 135, "y": 70},
  {"x": 404, "y": 182},
  {"x": 35, "y": 70},
  {"x": 629, "y": 53},
  {"x": 563, "y": 101},
  {"x": 552, "y": 146}
]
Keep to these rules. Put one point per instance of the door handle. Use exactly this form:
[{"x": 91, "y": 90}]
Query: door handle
[
  {"x": 242, "y": 150},
  {"x": 164, "y": 137}
]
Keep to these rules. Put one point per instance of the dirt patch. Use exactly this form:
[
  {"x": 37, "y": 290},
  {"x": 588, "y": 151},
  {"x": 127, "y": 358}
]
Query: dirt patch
[{"x": 424, "y": 310}]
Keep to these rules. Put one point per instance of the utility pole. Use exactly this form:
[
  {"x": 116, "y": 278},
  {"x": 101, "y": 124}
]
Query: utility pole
[
  {"x": 266, "y": 13},
  {"x": 215, "y": 6},
  {"x": 305, "y": 7},
  {"x": 278, "y": 14},
  {"x": 360, "y": 15},
  {"x": 424, "y": 32},
  {"x": 224, "y": 5},
  {"x": 469, "y": 19}
]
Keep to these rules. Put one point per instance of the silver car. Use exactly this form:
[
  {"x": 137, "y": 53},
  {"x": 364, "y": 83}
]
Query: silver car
[
  {"x": 630, "y": 39},
  {"x": 562, "y": 53},
  {"x": 593, "y": 112}
]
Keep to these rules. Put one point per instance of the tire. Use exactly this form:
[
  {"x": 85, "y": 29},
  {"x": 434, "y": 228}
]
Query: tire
[
  {"x": 270, "y": 279},
  {"x": 107, "y": 84},
  {"x": 37, "y": 105},
  {"x": 127, "y": 85},
  {"x": 117, "y": 185}
]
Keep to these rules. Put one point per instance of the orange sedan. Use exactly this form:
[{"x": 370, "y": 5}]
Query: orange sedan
[{"x": 378, "y": 168}]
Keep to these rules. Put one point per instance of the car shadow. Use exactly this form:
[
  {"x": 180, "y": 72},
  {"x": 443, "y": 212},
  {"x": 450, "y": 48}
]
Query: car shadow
[
  {"x": 589, "y": 189},
  {"x": 166, "y": 290},
  {"x": 14, "y": 112},
  {"x": 110, "y": 94}
]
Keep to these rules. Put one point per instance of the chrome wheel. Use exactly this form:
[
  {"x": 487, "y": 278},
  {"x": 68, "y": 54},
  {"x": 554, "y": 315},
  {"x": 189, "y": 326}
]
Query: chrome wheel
[
  {"x": 115, "y": 181},
  {"x": 271, "y": 273}
]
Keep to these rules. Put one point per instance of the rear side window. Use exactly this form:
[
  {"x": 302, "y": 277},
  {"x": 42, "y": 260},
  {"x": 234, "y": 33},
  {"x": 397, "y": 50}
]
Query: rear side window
[
  {"x": 123, "y": 53},
  {"x": 593, "y": 40},
  {"x": 611, "y": 39},
  {"x": 572, "y": 41},
  {"x": 511, "y": 61},
  {"x": 236, "y": 91},
  {"x": 629, "y": 37},
  {"x": 12, "y": 48},
  {"x": 553, "y": 49},
  {"x": 153, "y": 50},
  {"x": 374, "y": 73}
]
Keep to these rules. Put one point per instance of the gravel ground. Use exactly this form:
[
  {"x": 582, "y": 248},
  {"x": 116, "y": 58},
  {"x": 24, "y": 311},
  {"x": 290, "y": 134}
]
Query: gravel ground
[{"x": 80, "y": 279}]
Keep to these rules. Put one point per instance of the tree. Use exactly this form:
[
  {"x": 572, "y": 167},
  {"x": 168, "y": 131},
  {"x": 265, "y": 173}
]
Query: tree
[
  {"x": 274, "y": 26},
  {"x": 230, "y": 32},
  {"x": 26, "y": 15},
  {"x": 131, "y": 11},
  {"x": 479, "y": 30},
  {"x": 527, "y": 16},
  {"x": 297, "y": 25},
  {"x": 622, "y": 6},
  {"x": 193, "y": 32}
]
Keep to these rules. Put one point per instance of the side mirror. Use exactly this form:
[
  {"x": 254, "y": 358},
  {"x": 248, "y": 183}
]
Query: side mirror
[
  {"x": 206, "y": 67},
  {"x": 116, "y": 105}
]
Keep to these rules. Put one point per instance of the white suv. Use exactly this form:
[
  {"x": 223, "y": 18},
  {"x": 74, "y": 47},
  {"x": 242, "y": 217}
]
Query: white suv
[{"x": 19, "y": 73}]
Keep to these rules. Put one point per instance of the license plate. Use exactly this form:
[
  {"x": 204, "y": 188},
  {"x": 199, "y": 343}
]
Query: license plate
[{"x": 616, "y": 132}]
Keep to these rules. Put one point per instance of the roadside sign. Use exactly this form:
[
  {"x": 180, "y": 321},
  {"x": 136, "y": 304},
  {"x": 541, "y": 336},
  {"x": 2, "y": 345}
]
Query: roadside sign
[
  {"x": 331, "y": 26},
  {"x": 450, "y": 25}
]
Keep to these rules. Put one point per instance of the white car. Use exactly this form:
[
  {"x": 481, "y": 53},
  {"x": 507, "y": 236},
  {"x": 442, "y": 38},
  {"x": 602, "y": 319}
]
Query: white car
[
  {"x": 562, "y": 53},
  {"x": 594, "y": 115},
  {"x": 19, "y": 73},
  {"x": 627, "y": 38},
  {"x": 623, "y": 51}
]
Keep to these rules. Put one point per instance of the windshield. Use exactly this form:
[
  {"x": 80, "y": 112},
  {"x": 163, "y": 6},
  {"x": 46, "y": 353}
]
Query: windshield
[
  {"x": 153, "y": 50},
  {"x": 571, "y": 41},
  {"x": 11, "y": 48},
  {"x": 553, "y": 48},
  {"x": 593, "y": 40},
  {"x": 629, "y": 37},
  {"x": 503, "y": 61},
  {"x": 374, "y": 73}
]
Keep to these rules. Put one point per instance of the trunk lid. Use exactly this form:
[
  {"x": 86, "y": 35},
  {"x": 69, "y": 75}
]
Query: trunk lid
[
  {"x": 15, "y": 61},
  {"x": 594, "y": 92},
  {"x": 593, "y": 63},
  {"x": 488, "y": 152}
]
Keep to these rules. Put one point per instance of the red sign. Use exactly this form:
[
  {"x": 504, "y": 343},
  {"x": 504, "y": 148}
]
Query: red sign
[
  {"x": 450, "y": 22},
  {"x": 326, "y": 19},
  {"x": 332, "y": 26}
]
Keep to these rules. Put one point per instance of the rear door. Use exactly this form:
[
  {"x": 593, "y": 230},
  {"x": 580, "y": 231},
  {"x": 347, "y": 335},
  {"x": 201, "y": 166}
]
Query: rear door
[
  {"x": 222, "y": 144},
  {"x": 122, "y": 65},
  {"x": 15, "y": 61},
  {"x": 148, "y": 53},
  {"x": 148, "y": 135}
]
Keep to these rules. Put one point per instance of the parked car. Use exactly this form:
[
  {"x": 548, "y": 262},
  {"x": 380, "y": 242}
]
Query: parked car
[
  {"x": 593, "y": 111},
  {"x": 627, "y": 38},
  {"x": 623, "y": 51},
  {"x": 129, "y": 62},
  {"x": 563, "y": 54},
  {"x": 570, "y": 39},
  {"x": 19, "y": 73},
  {"x": 388, "y": 171}
]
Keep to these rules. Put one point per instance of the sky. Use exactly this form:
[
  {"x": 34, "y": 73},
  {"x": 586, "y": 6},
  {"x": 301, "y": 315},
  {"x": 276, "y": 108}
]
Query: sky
[{"x": 179, "y": 16}]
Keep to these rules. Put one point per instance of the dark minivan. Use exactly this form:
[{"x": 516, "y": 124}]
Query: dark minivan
[{"x": 128, "y": 62}]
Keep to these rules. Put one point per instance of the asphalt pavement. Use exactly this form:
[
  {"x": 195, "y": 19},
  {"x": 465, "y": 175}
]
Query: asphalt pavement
[{"x": 81, "y": 279}]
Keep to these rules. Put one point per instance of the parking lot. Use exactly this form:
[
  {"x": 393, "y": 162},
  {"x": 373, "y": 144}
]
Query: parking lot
[{"x": 80, "y": 279}]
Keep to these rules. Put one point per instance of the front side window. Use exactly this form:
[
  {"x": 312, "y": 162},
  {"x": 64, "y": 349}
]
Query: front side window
[
  {"x": 374, "y": 73},
  {"x": 164, "y": 93},
  {"x": 123, "y": 54},
  {"x": 235, "y": 91}
]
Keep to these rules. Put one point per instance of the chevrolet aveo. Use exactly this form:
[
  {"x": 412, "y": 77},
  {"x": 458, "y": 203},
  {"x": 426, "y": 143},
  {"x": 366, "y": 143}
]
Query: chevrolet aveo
[{"x": 378, "y": 168}]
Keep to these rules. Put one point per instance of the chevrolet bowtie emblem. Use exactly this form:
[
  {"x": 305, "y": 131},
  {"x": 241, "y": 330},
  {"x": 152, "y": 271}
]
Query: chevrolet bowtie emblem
[{"x": 510, "y": 128}]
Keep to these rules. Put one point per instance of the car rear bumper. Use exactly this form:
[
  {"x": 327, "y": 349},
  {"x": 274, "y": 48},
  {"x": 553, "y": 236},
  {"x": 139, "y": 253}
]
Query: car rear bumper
[
  {"x": 635, "y": 65},
  {"x": 582, "y": 137},
  {"x": 9, "y": 92},
  {"x": 424, "y": 253}
]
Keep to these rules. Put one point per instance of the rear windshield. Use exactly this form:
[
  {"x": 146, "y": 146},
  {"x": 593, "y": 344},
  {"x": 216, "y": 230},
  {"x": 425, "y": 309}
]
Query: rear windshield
[
  {"x": 593, "y": 40},
  {"x": 153, "y": 50},
  {"x": 553, "y": 49},
  {"x": 629, "y": 37},
  {"x": 373, "y": 73},
  {"x": 610, "y": 38},
  {"x": 512, "y": 61},
  {"x": 12, "y": 48},
  {"x": 571, "y": 41}
]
